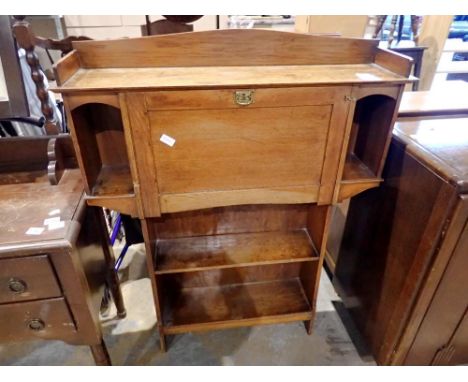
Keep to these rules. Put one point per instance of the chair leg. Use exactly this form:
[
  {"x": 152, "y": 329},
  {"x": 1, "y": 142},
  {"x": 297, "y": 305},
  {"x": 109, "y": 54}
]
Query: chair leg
[
  {"x": 115, "y": 288},
  {"x": 162, "y": 339},
  {"x": 100, "y": 354},
  {"x": 116, "y": 292}
]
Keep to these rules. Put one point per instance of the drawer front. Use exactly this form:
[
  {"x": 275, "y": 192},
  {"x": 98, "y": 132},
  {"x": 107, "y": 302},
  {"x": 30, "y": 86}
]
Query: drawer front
[
  {"x": 277, "y": 140},
  {"x": 27, "y": 278},
  {"x": 47, "y": 319}
]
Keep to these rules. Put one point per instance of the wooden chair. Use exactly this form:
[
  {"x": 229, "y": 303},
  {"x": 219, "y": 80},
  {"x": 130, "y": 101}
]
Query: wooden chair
[
  {"x": 26, "y": 39},
  {"x": 168, "y": 25}
]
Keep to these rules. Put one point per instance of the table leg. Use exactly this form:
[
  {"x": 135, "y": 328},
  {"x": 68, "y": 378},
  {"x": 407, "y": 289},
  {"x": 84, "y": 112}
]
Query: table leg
[{"x": 100, "y": 354}]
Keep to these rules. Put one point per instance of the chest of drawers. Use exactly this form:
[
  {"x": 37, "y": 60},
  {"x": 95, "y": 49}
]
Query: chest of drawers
[{"x": 54, "y": 256}]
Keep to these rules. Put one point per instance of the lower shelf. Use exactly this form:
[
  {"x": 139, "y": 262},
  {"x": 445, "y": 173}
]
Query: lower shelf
[{"x": 234, "y": 305}]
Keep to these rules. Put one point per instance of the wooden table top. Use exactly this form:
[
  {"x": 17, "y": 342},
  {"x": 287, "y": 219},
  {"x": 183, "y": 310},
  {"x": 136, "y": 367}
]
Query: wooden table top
[
  {"x": 442, "y": 144},
  {"x": 451, "y": 101},
  {"x": 24, "y": 208}
]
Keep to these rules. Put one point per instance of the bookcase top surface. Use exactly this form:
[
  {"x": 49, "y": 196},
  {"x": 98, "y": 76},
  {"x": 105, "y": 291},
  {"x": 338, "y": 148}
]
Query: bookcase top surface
[
  {"x": 227, "y": 58},
  {"x": 227, "y": 76}
]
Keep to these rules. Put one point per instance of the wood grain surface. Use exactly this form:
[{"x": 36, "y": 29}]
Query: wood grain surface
[
  {"x": 225, "y": 47},
  {"x": 235, "y": 303},
  {"x": 222, "y": 251},
  {"x": 226, "y": 77},
  {"x": 35, "y": 273}
]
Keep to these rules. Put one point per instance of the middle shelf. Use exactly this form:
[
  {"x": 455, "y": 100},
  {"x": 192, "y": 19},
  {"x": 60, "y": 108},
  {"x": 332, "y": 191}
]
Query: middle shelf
[{"x": 197, "y": 253}]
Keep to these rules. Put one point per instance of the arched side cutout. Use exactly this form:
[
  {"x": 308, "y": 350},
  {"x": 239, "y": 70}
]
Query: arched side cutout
[{"x": 78, "y": 100}]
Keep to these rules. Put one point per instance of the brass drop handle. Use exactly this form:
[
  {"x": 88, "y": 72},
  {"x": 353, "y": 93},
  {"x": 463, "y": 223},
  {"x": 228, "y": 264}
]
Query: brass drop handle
[
  {"x": 36, "y": 324},
  {"x": 243, "y": 97},
  {"x": 17, "y": 285}
]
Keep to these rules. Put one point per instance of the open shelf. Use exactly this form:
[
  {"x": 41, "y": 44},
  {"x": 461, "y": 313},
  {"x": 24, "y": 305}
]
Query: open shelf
[
  {"x": 114, "y": 190},
  {"x": 371, "y": 129},
  {"x": 233, "y": 304},
  {"x": 356, "y": 171},
  {"x": 369, "y": 139},
  {"x": 103, "y": 153},
  {"x": 113, "y": 180},
  {"x": 357, "y": 177},
  {"x": 232, "y": 250},
  {"x": 236, "y": 266},
  {"x": 103, "y": 157}
]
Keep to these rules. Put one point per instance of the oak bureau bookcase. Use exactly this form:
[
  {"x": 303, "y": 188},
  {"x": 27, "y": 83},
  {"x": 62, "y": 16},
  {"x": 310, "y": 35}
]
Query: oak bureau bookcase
[{"x": 231, "y": 146}]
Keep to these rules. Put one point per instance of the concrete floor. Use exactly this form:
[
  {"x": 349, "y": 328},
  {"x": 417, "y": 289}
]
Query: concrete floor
[{"x": 134, "y": 340}]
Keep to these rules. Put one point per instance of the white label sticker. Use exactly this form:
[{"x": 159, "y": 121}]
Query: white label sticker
[
  {"x": 48, "y": 221},
  {"x": 56, "y": 225},
  {"x": 35, "y": 230},
  {"x": 367, "y": 77},
  {"x": 166, "y": 139},
  {"x": 54, "y": 212}
]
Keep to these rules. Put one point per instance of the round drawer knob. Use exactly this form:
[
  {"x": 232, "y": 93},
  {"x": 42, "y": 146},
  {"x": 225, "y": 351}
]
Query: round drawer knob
[
  {"x": 36, "y": 324},
  {"x": 17, "y": 285}
]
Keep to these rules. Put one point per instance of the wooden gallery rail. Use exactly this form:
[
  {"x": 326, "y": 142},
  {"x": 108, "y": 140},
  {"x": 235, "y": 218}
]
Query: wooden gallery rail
[{"x": 231, "y": 146}]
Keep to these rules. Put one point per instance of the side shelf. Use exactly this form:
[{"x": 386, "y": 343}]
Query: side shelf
[
  {"x": 103, "y": 155},
  {"x": 113, "y": 180},
  {"x": 357, "y": 177},
  {"x": 368, "y": 143}
]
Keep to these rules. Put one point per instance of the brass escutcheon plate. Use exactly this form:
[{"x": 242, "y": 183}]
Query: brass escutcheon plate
[{"x": 243, "y": 97}]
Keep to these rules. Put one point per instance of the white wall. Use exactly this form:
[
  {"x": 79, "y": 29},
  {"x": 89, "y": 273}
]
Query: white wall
[
  {"x": 3, "y": 89},
  {"x": 106, "y": 27}
]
